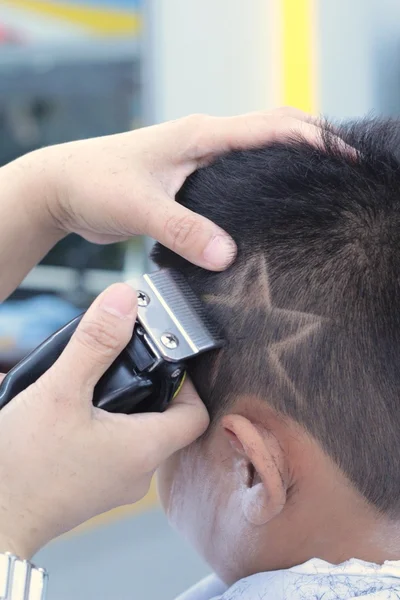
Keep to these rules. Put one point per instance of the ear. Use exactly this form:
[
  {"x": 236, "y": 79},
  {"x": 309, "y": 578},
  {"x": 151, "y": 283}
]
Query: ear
[{"x": 264, "y": 479}]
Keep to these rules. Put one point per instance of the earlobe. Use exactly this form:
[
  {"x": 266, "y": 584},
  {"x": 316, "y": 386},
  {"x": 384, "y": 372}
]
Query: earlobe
[{"x": 264, "y": 488}]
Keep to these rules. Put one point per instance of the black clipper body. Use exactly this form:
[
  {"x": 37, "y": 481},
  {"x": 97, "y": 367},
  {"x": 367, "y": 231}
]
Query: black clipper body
[{"x": 171, "y": 328}]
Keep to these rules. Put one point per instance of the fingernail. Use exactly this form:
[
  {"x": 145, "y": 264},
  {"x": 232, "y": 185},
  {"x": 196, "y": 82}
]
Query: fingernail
[
  {"x": 220, "y": 251},
  {"x": 119, "y": 300}
]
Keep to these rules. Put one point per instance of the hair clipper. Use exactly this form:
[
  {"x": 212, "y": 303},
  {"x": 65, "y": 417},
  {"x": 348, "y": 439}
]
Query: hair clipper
[{"x": 171, "y": 328}]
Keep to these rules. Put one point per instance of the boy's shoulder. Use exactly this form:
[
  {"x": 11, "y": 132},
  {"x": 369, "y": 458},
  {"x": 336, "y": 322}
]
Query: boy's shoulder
[{"x": 314, "y": 579}]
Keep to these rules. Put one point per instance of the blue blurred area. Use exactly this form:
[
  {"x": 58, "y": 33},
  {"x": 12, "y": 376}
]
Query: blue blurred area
[
  {"x": 26, "y": 323},
  {"x": 138, "y": 558}
]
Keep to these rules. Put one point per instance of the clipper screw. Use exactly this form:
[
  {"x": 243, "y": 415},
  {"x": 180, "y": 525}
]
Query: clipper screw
[
  {"x": 170, "y": 340},
  {"x": 143, "y": 299}
]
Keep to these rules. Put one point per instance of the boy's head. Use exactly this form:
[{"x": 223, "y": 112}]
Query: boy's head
[{"x": 302, "y": 456}]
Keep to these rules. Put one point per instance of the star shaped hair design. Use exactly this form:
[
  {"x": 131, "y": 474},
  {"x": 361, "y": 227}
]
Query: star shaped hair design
[{"x": 247, "y": 293}]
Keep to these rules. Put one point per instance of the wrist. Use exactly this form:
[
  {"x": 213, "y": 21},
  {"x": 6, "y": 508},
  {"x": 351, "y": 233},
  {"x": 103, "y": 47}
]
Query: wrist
[
  {"x": 14, "y": 547},
  {"x": 35, "y": 191},
  {"x": 22, "y": 537},
  {"x": 26, "y": 230}
]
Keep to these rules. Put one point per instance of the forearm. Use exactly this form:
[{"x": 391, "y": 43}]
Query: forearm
[{"x": 26, "y": 231}]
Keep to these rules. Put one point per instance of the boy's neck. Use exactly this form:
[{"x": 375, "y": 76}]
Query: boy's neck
[{"x": 327, "y": 518}]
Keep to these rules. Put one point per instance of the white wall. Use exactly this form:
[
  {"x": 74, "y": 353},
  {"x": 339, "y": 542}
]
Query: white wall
[
  {"x": 216, "y": 56},
  {"x": 359, "y": 44},
  {"x": 208, "y": 56}
]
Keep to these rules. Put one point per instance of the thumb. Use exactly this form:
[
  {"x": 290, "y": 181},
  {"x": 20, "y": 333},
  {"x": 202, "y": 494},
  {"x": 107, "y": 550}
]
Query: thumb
[{"x": 100, "y": 337}]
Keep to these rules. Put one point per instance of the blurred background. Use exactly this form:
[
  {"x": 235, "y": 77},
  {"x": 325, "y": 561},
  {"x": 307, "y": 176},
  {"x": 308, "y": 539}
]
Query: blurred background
[{"x": 72, "y": 69}]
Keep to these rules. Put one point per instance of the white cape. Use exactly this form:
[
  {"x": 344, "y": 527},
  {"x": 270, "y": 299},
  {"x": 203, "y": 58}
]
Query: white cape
[{"x": 314, "y": 580}]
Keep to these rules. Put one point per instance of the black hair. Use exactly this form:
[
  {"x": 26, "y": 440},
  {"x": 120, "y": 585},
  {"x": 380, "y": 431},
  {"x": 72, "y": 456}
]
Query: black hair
[{"x": 311, "y": 306}]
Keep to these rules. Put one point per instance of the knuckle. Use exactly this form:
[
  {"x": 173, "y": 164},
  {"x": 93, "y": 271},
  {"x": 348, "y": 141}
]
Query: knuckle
[
  {"x": 149, "y": 463},
  {"x": 195, "y": 131},
  {"x": 194, "y": 121},
  {"x": 99, "y": 336},
  {"x": 182, "y": 231}
]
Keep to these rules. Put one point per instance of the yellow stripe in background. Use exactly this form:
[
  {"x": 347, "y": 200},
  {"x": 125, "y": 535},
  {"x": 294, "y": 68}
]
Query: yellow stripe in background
[
  {"x": 100, "y": 21},
  {"x": 299, "y": 54}
]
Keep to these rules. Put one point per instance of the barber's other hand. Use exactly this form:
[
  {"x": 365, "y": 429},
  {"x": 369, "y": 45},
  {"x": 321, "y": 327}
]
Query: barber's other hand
[
  {"x": 62, "y": 460},
  {"x": 110, "y": 188}
]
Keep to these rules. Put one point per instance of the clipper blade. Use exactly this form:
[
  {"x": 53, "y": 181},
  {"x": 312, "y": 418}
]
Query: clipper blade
[{"x": 173, "y": 317}]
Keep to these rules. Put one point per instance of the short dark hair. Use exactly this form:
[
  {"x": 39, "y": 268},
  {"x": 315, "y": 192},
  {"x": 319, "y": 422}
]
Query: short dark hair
[{"x": 311, "y": 307}]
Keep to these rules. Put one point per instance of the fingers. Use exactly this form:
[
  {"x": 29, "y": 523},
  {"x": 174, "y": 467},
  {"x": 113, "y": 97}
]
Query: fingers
[
  {"x": 206, "y": 136},
  {"x": 296, "y": 113},
  {"x": 183, "y": 422},
  {"x": 201, "y": 138},
  {"x": 103, "y": 333},
  {"x": 163, "y": 434},
  {"x": 192, "y": 236},
  {"x": 254, "y": 130},
  {"x": 210, "y": 136}
]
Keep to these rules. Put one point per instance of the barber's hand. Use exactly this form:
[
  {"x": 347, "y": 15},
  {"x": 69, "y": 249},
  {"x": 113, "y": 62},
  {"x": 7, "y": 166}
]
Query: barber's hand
[
  {"x": 108, "y": 189},
  {"x": 62, "y": 460}
]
